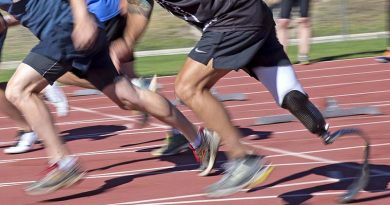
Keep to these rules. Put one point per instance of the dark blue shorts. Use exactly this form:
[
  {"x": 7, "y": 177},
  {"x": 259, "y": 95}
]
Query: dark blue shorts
[
  {"x": 53, "y": 57},
  {"x": 101, "y": 72}
]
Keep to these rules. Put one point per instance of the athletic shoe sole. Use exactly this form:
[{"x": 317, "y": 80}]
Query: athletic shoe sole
[
  {"x": 257, "y": 179},
  {"x": 65, "y": 184}
]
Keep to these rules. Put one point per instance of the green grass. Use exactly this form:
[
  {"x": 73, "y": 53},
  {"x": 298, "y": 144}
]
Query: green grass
[
  {"x": 343, "y": 50},
  {"x": 169, "y": 65},
  {"x": 166, "y": 31},
  {"x": 359, "y": 16},
  {"x": 5, "y": 75}
]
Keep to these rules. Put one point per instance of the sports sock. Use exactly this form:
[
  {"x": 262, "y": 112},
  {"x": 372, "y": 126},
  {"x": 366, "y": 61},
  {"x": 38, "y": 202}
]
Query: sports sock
[{"x": 67, "y": 162}]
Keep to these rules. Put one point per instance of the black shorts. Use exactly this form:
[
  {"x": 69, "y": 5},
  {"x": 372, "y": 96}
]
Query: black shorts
[
  {"x": 100, "y": 73},
  {"x": 287, "y": 5},
  {"x": 114, "y": 29},
  {"x": 235, "y": 50}
]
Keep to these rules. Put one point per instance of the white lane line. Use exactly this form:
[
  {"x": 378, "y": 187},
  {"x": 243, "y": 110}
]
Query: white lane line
[
  {"x": 185, "y": 109},
  {"x": 125, "y": 150},
  {"x": 254, "y": 83},
  {"x": 168, "y": 169},
  {"x": 307, "y": 78},
  {"x": 202, "y": 201},
  {"x": 75, "y": 122},
  {"x": 297, "y": 70},
  {"x": 159, "y": 201},
  {"x": 116, "y": 116},
  {"x": 321, "y": 151},
  {"x": 314, "y": 158},
  {"x": 100, "y": 152},
  {"x": 337, "y": 126},
  {"x": 111, "y": 120}
]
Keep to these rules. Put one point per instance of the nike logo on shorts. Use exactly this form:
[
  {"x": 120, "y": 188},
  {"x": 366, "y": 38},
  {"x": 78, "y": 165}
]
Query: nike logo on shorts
[{"x": 199, "y": 51}]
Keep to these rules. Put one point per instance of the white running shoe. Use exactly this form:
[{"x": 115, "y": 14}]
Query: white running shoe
[
  {"x": 56, "y": 96},
  {"x": 25, "y": 143}
]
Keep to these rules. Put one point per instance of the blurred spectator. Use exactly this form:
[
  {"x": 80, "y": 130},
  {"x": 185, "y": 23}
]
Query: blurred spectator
[
  {"x": 385, "y": 58},
  {"x": 304, "y": 27}
]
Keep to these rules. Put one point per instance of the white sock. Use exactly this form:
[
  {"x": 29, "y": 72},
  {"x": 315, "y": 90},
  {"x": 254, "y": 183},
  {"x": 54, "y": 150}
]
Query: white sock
[
  {"x": 56, "y": 96},
  {"x": 67, "y": 162},
  {"x": 54, "y": 93}
]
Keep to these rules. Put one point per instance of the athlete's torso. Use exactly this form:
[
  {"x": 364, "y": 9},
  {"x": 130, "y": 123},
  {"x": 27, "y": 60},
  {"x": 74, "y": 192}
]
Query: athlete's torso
[
  {"x": 219, "y": 14},
  {"x": 42, "y": 16}
]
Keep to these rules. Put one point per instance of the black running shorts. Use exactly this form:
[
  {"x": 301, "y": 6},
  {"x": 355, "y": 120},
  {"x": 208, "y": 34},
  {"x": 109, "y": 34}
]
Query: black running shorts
[
  {"x": 287, "y": 5},
  {"x": 114, "y": 29},
  {"x": 233, "y": 50}
]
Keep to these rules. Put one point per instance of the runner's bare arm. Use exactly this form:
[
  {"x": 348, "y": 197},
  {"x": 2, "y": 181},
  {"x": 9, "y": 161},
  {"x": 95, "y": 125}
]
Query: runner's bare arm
[
  {"x": 138, "y": 13},
  {"x": 85, "y": 27}
]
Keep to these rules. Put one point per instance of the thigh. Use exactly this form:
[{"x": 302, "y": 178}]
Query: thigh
[
  {"x": 26, "y": 79},
  {"x": 198, "y": 75},
  {"x": 229, "y": 50},
  {"x": 285, "y": 9},
  {"x": 48, "y": 68},
  {"x": 70, "y": 78},
  {"x": 304, "y": 6},
  {"x": 271, "y": 53},
  {"x": 102, "y": 71},
  {"x": 279, "y": 80},
  {"x": 35, "y": 73}
]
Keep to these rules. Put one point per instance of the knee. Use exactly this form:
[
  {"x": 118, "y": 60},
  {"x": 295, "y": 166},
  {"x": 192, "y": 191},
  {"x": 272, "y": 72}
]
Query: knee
[
  {"x": 127, "y": 102},
  {"x": 184, "y": 91},
  {"x": 123, "y": 106},
  {"x": 283, "y": 23},
  {"x": 14, "y": 94},
  {"x": 304, "y": 22},
  {"x": 128, "y": 97}
]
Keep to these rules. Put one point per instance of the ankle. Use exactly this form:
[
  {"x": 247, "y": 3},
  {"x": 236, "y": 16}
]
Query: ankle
[{"x": 198, "y": 140}]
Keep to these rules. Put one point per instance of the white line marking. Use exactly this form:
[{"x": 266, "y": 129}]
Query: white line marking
[
  {"x": 115, "y": 116},
  {"x": 236, "y": 199},
  {"x": 152, "y": 201},
  {"x": 164, "y": 170},
  {"x": 314, "y": 158},
  {"x": 125, "y": 150}
]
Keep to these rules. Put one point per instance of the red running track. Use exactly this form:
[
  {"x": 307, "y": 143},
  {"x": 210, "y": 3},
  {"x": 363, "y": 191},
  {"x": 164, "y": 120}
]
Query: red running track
[{"x": 116, "y": 150}]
